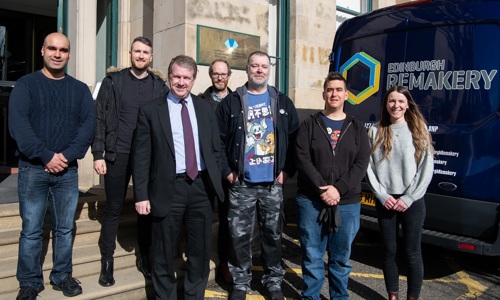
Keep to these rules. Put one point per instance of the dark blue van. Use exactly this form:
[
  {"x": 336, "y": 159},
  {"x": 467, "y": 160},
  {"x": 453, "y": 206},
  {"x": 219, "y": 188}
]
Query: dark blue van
[{"x": 447, "y": 53}]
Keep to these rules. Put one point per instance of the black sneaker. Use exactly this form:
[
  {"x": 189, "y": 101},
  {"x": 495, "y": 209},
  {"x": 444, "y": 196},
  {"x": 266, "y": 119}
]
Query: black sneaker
[
  {"x": 69, "y": 286},
  {"x": 276, "y": 295},
  {"x": 27, "y": 293},
  {"x": 238, "y": 295}
]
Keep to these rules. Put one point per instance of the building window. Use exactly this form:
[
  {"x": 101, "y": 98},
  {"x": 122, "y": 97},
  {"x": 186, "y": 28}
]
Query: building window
[{"x": 347, "y": 9}]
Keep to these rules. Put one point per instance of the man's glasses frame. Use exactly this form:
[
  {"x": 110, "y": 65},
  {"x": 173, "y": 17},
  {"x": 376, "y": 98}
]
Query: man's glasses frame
[{"x": 221, "y": 75}]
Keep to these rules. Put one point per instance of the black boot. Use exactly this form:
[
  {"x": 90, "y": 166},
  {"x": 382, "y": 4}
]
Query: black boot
[
  {"x": 106, "y": 277},
  {"x": 144, "y": 267}
]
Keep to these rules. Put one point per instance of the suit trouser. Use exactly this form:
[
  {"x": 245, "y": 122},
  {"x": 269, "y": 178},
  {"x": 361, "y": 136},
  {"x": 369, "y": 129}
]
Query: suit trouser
[
  {"x": 190, "y": 205},
  {"x": 116, "y": 183}
]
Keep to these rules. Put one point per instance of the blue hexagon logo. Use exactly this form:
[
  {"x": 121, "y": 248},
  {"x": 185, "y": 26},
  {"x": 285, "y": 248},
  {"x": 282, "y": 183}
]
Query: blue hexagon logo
[{"x": 374, "y": 67}]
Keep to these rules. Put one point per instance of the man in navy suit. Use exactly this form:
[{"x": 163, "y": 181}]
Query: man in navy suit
[{"x": 174, "y": 135}]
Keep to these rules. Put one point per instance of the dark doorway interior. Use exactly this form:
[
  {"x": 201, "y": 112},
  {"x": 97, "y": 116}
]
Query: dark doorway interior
[{"x": 21, "y": 38}]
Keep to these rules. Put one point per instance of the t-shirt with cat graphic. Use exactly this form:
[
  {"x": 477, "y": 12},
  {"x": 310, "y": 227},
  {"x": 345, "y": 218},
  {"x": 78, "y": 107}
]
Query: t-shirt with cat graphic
[{"x": 259, "y": 144}]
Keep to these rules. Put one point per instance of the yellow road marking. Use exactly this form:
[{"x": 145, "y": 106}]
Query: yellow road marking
[
  {"x": 298, "y": 271},
  {"x": 215, "y": 294},
  {"x": 219, "y": 295},
  {"x": 475, "y": 289}
]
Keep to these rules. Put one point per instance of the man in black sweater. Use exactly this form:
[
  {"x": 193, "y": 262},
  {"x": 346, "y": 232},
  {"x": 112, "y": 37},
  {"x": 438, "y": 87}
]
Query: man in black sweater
[{"x": 52, "y": 120}]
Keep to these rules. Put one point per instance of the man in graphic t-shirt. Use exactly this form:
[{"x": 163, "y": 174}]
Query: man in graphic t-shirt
[
  {"x": 332, "y": 157},
  {"x": 257, "y": 126}
]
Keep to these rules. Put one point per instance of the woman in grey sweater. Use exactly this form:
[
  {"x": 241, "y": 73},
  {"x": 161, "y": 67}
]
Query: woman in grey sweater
[{"x": 400, "y": 169}]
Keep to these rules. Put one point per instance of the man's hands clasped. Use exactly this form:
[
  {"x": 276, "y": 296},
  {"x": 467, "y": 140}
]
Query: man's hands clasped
[{"x": 57, "y": 164}]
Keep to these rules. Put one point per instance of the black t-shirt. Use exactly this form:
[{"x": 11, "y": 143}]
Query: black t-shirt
[{"x": 135, "y": 92}]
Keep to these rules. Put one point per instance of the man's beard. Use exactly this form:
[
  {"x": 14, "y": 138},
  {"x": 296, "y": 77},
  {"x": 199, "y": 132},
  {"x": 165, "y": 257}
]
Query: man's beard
[
  {"x": 138, "y": 67},
  {"x": 220, "y": 89},
  {"x": 257, "y": 85}
]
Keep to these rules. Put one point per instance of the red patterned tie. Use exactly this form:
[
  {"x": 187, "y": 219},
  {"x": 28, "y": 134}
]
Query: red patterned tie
[{"x": 191, "y": 164}]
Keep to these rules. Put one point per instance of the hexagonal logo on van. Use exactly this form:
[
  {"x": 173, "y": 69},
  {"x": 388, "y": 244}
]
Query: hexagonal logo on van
[{"x": 374, "y": 80}]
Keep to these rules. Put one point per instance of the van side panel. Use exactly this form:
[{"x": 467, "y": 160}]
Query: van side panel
[{"x": 447, "y": 53}]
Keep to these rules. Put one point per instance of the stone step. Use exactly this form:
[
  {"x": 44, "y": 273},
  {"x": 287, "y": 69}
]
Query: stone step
[
  {"x": 130, "y": 285},
  {"x": 89, "y": 207},
  {"x": 10, "y": 209},
  {"x": 81, "y": 254},
  {"x": 86, "y": 262},
  {"x": 9, "y": 217},
  {"x": 87, "y": 231}
]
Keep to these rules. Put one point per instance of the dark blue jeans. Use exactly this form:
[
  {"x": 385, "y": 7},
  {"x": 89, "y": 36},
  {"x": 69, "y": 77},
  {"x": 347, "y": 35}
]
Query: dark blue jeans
[
  {"x": 315, "y": 239},
  {"x": 412, "y": 221},
  {"x": 36, "y": 189}
]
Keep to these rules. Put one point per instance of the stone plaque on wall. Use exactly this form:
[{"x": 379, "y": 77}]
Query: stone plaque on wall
[{"x": 232, "y": 46}]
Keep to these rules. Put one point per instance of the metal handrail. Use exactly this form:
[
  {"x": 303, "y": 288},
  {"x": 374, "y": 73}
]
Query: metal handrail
[{"x": 4, "y": 83}]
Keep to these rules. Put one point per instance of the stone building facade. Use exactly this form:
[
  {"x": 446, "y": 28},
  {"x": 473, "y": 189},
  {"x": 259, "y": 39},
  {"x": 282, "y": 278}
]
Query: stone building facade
[{"x": 297, "y": 34}]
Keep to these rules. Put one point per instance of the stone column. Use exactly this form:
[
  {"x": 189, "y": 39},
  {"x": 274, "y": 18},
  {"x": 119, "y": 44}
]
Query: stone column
[
  {"x": 82, "y": 34},
  {"x": 170, "y": 32},
  {"x": 123, "y": 59},
  {"x": 312, "y": 29}
]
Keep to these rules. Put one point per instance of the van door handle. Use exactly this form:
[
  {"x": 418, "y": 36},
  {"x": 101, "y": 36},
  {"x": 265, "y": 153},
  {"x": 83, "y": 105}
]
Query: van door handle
[{"x": 447, "y": 186}]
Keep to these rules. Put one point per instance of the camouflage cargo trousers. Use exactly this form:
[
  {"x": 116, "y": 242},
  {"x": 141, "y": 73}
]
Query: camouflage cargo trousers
[{"x": 246, "y": 201}]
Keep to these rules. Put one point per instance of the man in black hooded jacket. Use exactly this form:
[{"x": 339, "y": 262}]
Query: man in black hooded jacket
[
  {"x": 121, "y": 94},
  {"x": 332, "y": 152}
]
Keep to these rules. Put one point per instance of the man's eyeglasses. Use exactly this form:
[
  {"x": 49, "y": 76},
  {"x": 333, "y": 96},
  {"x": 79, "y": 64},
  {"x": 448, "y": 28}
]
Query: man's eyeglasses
[{"x": 221, "y": 75}]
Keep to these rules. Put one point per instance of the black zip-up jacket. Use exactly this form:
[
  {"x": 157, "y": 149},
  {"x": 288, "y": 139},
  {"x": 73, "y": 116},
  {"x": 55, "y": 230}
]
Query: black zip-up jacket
[
  {"x": 232, "y": 115},
  {"x": 319, "y": 165},
  {"x": 108, "y": 111}
]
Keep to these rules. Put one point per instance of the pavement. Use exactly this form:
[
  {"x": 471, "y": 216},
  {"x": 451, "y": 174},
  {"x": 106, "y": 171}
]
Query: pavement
[{"x": 8, "y": 188}]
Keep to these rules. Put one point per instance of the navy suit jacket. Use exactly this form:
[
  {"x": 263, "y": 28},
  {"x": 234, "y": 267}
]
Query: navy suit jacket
[{"x": 153, "y": 153}]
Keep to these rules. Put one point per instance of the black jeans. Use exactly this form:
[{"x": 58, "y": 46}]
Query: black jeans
[
  {"x": 412, "y": 221},
  {"x": 115, "y": 185}
]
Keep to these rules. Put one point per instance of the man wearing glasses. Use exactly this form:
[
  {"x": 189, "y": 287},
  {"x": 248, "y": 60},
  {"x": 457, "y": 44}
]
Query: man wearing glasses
[{"x": 219, "y": 73}]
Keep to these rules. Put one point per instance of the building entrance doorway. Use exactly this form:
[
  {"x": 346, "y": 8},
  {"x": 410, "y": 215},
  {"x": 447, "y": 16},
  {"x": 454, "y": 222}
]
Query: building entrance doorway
[{"x": 23, "y": 26}]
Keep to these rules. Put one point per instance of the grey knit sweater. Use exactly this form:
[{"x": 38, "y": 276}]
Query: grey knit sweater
[{"x": 399, "y": 174}]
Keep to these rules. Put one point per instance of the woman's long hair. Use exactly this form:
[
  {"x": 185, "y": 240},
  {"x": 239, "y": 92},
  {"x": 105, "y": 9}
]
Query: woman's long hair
[{"x": 422, "y": 139}]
